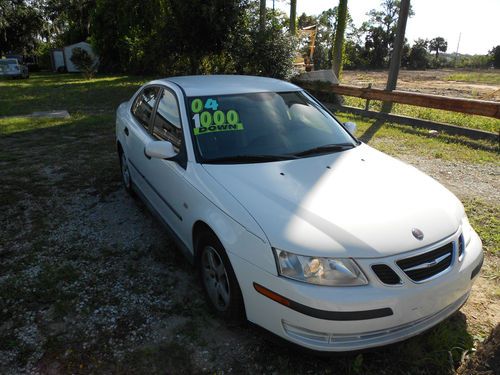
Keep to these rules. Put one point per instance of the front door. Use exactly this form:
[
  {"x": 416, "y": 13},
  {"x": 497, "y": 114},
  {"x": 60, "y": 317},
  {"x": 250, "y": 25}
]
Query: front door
[
  {"x": 168, "y": 176},
  {"x": 138, "y": 129}
]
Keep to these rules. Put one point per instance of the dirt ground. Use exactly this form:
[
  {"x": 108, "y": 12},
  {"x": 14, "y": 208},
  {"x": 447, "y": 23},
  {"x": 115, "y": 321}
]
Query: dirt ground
[
  {"x": 90, "y": 282},
  {"x": 425, "y": 81}
]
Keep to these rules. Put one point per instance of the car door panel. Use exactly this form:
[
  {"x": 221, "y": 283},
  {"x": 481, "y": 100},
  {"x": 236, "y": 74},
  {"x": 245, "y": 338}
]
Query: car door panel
[{"x": 168, "y": 177}]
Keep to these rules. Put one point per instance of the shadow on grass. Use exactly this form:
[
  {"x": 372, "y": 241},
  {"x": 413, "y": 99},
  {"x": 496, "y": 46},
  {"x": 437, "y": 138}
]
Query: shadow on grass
[
  {"x": 371, "y": 131},
  {"x": 377, "y": 125}
]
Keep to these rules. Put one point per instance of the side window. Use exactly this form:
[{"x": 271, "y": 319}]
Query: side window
[
  {"x": 142, "y": 109},
  {"x": 167, "y": 122}
]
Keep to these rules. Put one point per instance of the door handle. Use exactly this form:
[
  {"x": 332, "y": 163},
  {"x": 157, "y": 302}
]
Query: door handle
[{"x": 126, "y": 131}]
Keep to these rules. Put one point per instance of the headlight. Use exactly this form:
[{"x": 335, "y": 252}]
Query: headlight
[
  {"x": 320, "y": 271},
  {"x": 466, "y": 230}
]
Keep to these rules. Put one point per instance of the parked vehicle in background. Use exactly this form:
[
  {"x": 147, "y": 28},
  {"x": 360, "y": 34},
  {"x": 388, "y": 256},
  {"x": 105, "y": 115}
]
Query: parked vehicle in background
[
  {"x": 11, "y": 68},
  {"x": 292, "y": 222}
]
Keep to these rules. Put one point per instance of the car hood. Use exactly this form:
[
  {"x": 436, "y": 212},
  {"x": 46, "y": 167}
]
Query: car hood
[{"x": 357, "y": 203}]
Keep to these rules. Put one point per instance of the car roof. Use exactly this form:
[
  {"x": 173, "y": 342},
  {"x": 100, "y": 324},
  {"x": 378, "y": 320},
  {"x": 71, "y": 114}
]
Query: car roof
[
  {"x": 228, "y": 84},
  {"x": 10, "y": 61}
]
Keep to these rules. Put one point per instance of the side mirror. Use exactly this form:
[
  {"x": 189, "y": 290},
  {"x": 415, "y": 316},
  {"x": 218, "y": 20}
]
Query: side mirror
[
  {"x": 351, "y": 127},
  {"x": 160, "y": 150}
]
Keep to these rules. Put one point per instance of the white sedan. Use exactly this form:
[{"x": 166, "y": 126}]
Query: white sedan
[{"x": 292, "y": 222}]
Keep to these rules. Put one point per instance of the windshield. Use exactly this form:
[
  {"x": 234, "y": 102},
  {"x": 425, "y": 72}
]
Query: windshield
[{"x": 263, "y": 127}]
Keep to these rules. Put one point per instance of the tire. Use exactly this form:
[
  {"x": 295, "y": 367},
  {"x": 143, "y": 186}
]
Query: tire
[
  {"x": 219, "y": 281},
  {"x": 125, "y": 173}
]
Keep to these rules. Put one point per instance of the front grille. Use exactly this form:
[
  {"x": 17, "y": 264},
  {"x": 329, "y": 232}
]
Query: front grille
[
  {"x": 424, "y": 266},
  {"x": 386, "y": 274}
]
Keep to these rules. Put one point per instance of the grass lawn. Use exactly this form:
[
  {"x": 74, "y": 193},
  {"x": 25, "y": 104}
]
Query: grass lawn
[
  {"x": 82, "y": 266},
  {"x": 47, "y": 91},
  {"x": 476, "y": 77}
]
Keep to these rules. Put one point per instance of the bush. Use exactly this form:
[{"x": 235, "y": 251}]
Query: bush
[
  {"x": 418, "y": 58},
  {"x": 84, "y": 62},
  {"x": 495, "y": 56}
]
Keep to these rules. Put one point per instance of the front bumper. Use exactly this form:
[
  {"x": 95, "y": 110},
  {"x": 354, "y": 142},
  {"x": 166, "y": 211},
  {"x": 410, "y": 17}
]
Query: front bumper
[{"x": 415, "y": 307}]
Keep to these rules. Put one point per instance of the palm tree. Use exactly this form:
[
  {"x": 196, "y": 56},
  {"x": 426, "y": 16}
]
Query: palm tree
[{"x": 438, "y": 44}]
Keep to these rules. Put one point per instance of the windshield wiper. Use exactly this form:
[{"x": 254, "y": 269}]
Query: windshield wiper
[
  {"x": 250, "y": 159},
  {"x": 326, "y": 149}
]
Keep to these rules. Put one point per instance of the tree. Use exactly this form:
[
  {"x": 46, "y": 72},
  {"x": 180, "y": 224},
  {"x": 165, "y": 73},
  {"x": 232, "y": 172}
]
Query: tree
[
  {"x": 66, "y": 21},
  {"x": 380, "y": 31},
  {"x": 293, "y": 17},
  {"x": 160, "y": 37},
  {"x": 438, "y": 44},
  {"x": 304, "y": 20},
  {"x": 495, "y": 56},
  {"x": 215, "y": 20},
  {"x": 84, "y": 62},
  {"x": 338, "y": 43},
  {"x": 418, "y": 58},
  {"x": 20, "y": 22}
]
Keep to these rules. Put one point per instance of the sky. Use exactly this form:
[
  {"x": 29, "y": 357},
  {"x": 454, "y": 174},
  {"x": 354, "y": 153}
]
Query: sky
[{"x": 478, "y": 21}]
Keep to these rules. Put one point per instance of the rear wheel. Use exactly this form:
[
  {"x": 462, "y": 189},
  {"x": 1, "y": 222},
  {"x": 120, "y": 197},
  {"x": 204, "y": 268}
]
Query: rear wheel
[{"x": 219, "y": 281}]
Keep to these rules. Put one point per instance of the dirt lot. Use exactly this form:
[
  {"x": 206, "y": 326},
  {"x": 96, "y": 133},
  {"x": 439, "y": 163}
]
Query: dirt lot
[
  {"x": 90, "y": 282},
  {"x": 440, "y": 82}
]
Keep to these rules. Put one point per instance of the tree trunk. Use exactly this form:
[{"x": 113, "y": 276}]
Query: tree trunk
[
  {"x": 397, "y": 51},
  {"x": 262, "y": 16},
  {"x": 293, "y": 16},
  {"x": 338, "y": 43}
]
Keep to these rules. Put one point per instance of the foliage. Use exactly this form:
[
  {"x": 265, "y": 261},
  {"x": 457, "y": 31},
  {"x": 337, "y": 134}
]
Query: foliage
[
  {"x": 418, "y": 57},
  {"x": 305, "y": 20},
  {"x": 379, "y": 32},
  {"x": 172, "y": 37},
  {"x": 66, "y": 21},
  {"x": 269, "y": 53},
  {"x": 159, "y": 37},
  {"x": 326, "y": 26},
  {"x": 84, "y": 62},
  {"x": 495, "y": 55},
  {"x": 438, "y": 44},
  {"x": 472, "y": 61},
  {"x": 20, "y": 23}
]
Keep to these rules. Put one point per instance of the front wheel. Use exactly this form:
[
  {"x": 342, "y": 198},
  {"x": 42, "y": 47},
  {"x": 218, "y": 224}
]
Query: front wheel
[
  {"x": 125, "y": 171},
  {"x": 219, "y": 280}
]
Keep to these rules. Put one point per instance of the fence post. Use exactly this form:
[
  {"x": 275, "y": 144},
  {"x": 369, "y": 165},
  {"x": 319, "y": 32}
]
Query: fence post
[{"x": 367, "y": 104}]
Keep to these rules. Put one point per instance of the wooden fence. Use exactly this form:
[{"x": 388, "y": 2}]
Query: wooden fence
[{"x": 469, "y": 106}]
